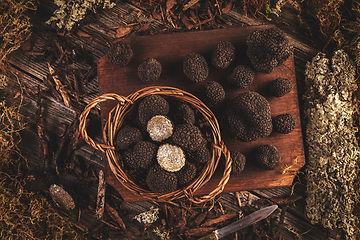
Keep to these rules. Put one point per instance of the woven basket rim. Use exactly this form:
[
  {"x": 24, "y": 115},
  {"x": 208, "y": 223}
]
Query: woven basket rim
[{"x": 115, "y": 120}]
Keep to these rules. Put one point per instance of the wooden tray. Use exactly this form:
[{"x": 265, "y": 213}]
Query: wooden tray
[{"x": 170, "y": 49}]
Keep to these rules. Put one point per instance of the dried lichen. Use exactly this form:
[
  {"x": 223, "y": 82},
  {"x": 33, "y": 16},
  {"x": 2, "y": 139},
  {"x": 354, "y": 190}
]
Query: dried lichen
[
  {"x": 70, "y": 12},
  {"x": 148, "y": 217},
  {"x": 332, "y": 145}
]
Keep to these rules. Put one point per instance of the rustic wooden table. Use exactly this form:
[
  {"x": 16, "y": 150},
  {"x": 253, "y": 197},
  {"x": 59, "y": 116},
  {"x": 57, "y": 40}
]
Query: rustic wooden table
[{"x": 102, "y": 32}]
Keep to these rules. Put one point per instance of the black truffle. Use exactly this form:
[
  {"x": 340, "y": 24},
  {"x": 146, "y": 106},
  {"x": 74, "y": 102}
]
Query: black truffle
[
  {"x": 238, "y": 162},
  {"x": 213, "y": 94},
  {"x": 267, "y": 156},
  {"x": 142, "y": 156},
  {"x": 280, "y": 87},
  {"x": 223, "y": 54},
  {"x": 184, "y": 114},
  {"x": 186, "y": 174},
  {"x": 284, "y": 123},
  {"x": 188, "y": 137},
  {"x": 149, "y": 70},
  {"x": 151, "y": 106},
  {"x": 268, "y": 49},
  {"x": 127, "y": 136},
  {"x": 160, "y": 180},
  {"x": 241, "y": 77},
  {"x": 195, "y": 67},
  {"x": 200, "y": 154},
  {"x": 120, "y": 54},
  {"x": 248, "y": 117}
]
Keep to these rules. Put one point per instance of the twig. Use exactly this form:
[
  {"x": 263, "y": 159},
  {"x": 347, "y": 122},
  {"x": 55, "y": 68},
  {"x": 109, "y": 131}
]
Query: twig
[
  {"x": 59, "y": 86},
  {"x": 219, "y": 219},
  {"x": 100, "y": 196}
]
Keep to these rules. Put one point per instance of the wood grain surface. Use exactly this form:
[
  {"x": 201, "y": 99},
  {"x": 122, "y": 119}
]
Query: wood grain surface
[{"x": 170, "y": 49}]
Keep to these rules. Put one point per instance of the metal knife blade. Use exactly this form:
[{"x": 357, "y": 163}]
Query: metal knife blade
[{"x": 242, "y": 223}]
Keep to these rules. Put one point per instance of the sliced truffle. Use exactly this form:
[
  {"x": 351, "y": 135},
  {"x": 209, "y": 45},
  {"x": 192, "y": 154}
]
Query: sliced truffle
[
  {"x": 238, "y": 162},
  {"x": 267, "y": 156},
  {"x": 248, "y": 117},
  {"x": 127, "y": 136},
  {"x": 241, "y": 77},
  {"x": 160, "y": 180},
  {"x": 170, "y": 157},
  {"x": 186, "y": 174},
  {"x": 149, "y": 70},
  {"x": 159, "y": 128},
  {"x": 223, "y": 54},
  {"x": 142, "y": 156},
  {"x": 213, "y": 94},
  {"x": 188, "y": 137},
  {"x": 284, "y": 123},
  {"x": 184, "y": 114},
  {"x": 120, "y": 54},
  {"x": 151, "y": 106},
  {"x": 195, "y": 67},
  {"x": 280, "y": 87},
  {"x": 268, "y": 49},
  {"x": 200, "y": 155}
]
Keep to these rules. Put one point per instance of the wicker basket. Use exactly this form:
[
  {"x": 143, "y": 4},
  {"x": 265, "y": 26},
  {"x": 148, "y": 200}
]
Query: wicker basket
[{"x": 116, "y": 119}]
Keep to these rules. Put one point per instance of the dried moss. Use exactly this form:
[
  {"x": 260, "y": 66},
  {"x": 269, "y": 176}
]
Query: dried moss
[
  {"x": 333, "y": 148},
  {"x": 15, "y": 27},
  {"x": 26, "y": 215}
]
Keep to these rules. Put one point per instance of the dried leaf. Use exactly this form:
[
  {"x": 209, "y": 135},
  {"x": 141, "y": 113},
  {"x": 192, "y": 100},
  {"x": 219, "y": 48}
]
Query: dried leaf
[
  {"x": 82, "y": 34},
  {"x": 227, "y": 8},
  {"x": 59, "y": 86},
  {"x": 122, "y": 31},
  {"x": 190, "y": 4},
  {"x": 144, "y": 27},
  {"x": 17, "y": 95},
  {"x": 187, "y": 22},
  {"x": 156, "y": 15},
  {"x": 198, "y": 220},
  {"x": 199, "y": 232},
  {"x": 115, "y": 216},
  {"x": 170, "y": 4}
]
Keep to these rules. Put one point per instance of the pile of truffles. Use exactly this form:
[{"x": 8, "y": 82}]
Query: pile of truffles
[
  {"x": 167, "y": 144},
  {"x": 163, "y": 142}
]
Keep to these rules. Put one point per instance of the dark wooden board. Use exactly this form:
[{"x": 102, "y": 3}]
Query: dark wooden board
[{"x": 170, "y": 49}]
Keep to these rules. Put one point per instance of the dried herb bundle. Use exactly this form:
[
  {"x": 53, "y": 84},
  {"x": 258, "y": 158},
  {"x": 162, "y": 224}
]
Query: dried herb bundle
[{"x": 333, "y": 148}]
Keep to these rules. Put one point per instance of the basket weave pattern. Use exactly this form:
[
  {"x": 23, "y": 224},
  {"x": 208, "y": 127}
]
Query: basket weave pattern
[{"x": 116, "y": 119}]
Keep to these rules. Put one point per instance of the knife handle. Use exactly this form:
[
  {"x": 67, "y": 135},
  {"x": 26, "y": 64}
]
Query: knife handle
[{"x": 211, "y": 236}]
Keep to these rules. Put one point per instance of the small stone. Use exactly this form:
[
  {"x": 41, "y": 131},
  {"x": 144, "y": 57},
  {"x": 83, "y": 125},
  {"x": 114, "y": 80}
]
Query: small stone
[{"x": 61, "y": 198}]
